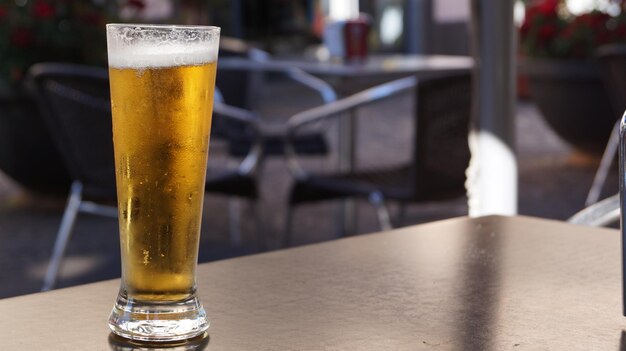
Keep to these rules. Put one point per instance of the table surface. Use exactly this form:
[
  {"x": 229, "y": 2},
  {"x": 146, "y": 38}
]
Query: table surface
[
  {"x": 375, "y": 65},
  {"x": 491, "y": 283}
]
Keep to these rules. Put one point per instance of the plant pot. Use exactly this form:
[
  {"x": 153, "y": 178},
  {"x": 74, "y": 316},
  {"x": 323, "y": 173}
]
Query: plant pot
[
  {"x": 27, "y": 152},
  {"x": 573, "y": 100}
]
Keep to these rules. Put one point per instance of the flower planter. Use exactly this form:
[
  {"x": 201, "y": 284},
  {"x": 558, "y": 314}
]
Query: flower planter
[
  {"x": 27, "y": 153},
  {"x": 573, "y": 100}
]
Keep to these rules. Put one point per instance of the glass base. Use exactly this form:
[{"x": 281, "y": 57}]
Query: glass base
[{"x": 158, "y": 321}]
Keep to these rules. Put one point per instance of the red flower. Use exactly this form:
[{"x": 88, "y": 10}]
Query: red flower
[
  {"x": 569, "y": 31},
  {"x": 547, "y": 32},
  {"x": 596, "y": 20},
  {"x": 21, "y": 37},
  {"x": 3, "y": 12},
  {"x": 548, "y": 7},
  {"x": 138, "y": 4},
  {"x": 525, "y": 28},
  {"x": 541, "y": 11},
  {"x": 43, "y": 10}
]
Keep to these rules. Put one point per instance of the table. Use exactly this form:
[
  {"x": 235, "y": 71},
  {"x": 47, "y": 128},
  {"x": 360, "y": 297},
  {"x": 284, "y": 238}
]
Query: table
[
  {"x": 380, "y": 65},
  {"x": 348, "y": 78},
  {"x": 376, "y": 69},
  {"x": 490, "y": 283}
]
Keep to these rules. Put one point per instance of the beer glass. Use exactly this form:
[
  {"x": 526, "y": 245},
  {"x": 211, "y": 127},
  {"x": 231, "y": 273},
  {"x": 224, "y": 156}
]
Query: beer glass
[
  {"x": 622, "y": 199},
  {"x": 162, "y": 79}
]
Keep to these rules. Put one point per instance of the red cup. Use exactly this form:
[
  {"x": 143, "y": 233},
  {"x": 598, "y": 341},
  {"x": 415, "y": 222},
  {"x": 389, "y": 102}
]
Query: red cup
[{"x": 356, "y": 34}]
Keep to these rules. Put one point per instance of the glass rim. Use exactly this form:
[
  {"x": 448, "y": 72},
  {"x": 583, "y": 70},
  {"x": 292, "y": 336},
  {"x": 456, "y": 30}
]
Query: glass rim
[{"x": 164, "y": 26}]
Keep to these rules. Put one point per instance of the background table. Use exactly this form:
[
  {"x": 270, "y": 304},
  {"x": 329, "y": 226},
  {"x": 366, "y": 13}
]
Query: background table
[
  {"x": 376, "y": 66},
  {"x": 350, "y": 77},
  {"x": 493, "y": 283}
]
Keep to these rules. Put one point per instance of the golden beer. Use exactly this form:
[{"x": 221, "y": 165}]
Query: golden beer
[
  {"x": 162, "y": 79},
  {"x": 161, "y": 125}
]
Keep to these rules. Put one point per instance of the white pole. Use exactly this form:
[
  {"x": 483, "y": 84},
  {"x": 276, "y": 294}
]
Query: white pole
[
  {"x": 341, "y": 10},
  {"x": 492, "y": 173}
]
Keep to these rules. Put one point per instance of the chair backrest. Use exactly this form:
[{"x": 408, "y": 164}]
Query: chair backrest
[
  {"x": 241, "y": 81},
  {"x": 441, "y": 152},
  {"x": 600, "y": 214},
  {"x": 75, "y": 103},
  {"x": 238, "y": 86},
  {"x": 612, "y": 60}
]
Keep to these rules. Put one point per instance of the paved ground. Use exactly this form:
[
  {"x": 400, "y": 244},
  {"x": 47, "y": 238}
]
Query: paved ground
[{"x": 554, "y": 181}]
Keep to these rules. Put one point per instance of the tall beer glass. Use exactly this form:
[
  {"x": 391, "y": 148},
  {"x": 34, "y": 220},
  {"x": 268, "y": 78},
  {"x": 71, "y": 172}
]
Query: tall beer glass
[{"x": 162, "y": 80}]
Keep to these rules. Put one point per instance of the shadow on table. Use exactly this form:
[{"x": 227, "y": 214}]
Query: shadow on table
[
  {"x": 198, "y": 343},
  {"x": 481, "y": 284}
]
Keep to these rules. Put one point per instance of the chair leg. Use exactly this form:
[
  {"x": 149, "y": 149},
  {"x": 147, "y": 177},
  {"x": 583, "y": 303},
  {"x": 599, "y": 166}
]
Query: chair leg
[
  {"x": 63, "y": 236},
  {"x": 605, "y": 165},
  {"x": 234, "y": 221},
  {"x": 288, "y": 227},
  {"x": 401, "y": 214},
  {"x": 378, "y": 201},
  {"x": 600, "y": 214},
  {"x": 260, "y": 233}
]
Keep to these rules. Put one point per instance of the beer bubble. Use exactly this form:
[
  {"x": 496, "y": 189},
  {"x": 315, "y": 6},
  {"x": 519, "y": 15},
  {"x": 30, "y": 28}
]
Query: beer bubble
[
  {"x": 146, "y": 257},
  {"x": 190, "y": 198}
]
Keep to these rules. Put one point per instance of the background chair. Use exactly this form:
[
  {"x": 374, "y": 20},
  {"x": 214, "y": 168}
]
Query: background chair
[
  {"x": 75, "y": 103},
  {"x": 241, "y": 85},
  {"x": 440, "y": 153},
  {"x": 602, "y": 213}
]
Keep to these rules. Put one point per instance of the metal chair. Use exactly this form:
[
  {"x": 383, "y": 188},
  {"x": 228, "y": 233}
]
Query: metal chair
[
  {"x": 599, "y": 214},
  {"x": 75, "y": 103},
  {"x": 440, "y": 152},
  {"x": 241, "y": 84}
]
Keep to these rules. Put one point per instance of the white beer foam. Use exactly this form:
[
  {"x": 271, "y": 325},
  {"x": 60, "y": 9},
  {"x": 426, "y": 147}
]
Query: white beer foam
[{"x": 140, "y": 56}]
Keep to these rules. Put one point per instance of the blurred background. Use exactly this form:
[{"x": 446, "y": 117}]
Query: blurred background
[{"x": 559, "y": 142}]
